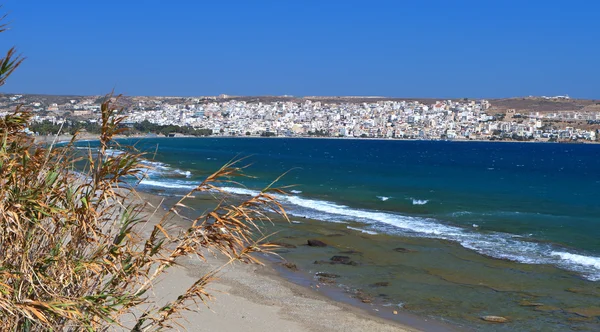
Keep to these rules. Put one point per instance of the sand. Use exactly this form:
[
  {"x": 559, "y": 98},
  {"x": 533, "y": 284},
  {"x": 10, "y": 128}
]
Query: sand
[
  {"x": 254, "y": 298},
  {"x": 257, "y": 298}
]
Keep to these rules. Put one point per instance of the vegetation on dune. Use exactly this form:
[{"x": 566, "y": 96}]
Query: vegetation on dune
[
  {"x": 145, "y": 127},
  {"x": 74, "y": 254},
  {"x": 148, "y": 127}
]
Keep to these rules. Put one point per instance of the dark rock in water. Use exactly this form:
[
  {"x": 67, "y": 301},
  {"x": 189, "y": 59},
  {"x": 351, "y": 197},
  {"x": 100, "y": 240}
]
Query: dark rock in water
[
  {"x": 363, "y": 297},
  {"x": 326, "y": 280},
  {"x": 345, "y": 260},
  {"x": 494, "y": 319},
  {"x": 525, "y": 303},
  {"x": 316, "y": 243},
  {"x": 381, "y": 284},
  {"x": 340, "y": 259},
  {"x": 326, "y": 275},
  {"x": 283, "y": 244},
  {"x": 547, "y": 308},
  {"x": 435, "y": 299},
  {"x": 351, "y": 252},
  {"x": 592, "y": 292},
  {"x": 291, "y": 266},
  {"x": 403, "y": 250},
  {"x": 579, "y": 319},
  {"x": 585, "y": 311}
]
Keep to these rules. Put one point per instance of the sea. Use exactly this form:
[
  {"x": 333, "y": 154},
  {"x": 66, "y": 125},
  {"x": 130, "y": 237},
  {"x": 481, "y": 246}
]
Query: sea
[{"x": 448, "y": 231}]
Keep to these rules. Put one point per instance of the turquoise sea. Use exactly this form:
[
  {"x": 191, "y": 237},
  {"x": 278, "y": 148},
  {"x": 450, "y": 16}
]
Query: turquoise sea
[{"x": 508, "y": 229}]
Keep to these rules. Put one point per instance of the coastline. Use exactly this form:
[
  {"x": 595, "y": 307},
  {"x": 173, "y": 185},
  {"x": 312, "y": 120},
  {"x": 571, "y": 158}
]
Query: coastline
[
  {"x": 261, "y": 297},
  {"x": 93, "y": 137}
]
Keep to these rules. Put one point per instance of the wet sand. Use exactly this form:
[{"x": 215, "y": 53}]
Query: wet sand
[{"x": 258, "y": 298}]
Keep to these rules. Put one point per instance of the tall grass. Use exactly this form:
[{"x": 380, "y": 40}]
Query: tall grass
[{"x": 73, "y": 254}]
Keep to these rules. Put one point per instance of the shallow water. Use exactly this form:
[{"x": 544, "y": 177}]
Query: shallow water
[{"x": 443, "y": 280}]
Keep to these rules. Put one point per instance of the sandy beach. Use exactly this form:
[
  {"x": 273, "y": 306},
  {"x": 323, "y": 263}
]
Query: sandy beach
[{"x": 257, "y": 298}]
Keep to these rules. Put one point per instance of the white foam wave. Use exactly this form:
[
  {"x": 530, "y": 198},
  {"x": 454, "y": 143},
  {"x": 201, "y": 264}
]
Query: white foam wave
[
  {"x": 583, "y": 264},
  {"x": 169, "y": 184},
  {"x": 334, "y": 211},
  {"x": 113, "y": 152},
  {"x": 420, "y": 201},
  {"x": 240, "y": 191},
  {"x": 187, "y": 174},
  {"x": 579, "y": 259},
  {"x": 460, "y": 213},
  {"x": 498, "y": 245},
  {"x": 362, "y": 230},
  {"x": 295, "y": 191},
  {"x": 158, "y": 169},
  {"x": 383, "y": 198}
]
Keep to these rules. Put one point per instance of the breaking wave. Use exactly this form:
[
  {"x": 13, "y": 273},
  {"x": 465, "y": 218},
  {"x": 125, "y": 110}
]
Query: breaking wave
[
  {"x": 494, "y": 244},
  {"x": 362, "y": 230}
]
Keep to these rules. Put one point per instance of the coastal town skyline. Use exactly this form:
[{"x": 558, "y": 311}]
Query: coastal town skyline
[{"x": 546, "y": 118}]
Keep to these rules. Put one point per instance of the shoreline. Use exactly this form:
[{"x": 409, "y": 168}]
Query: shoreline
[
  {"x": 94, "y": 137},
  {"x": 270, "y": 296}
]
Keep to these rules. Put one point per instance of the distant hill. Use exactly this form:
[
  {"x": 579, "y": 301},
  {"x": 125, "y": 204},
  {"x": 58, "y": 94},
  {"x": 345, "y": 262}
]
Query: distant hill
[
  {"x": 538, "y": 104},
  {"x": 520, "y": 104}
]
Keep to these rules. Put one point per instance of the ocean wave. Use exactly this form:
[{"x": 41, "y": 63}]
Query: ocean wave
[
  {"x": 154, "y": 168},
  {"x": 495, "y": 244},
  {"x": 362, "y": 230},
  {"x": 240, "y": 191},
  {"x": 582, "y": 263},
  {"x": 295, "y": 191},
  {"x": 461, "y": 213},
  {"x": 187, "y": 174},
  {"x": 113, "y": 152},
  {"x": 419, "y": 201},
  {"x": 170, "y": 184},
  {"x": 579, "y": 259},
  {"x": 383, "y": 198}
]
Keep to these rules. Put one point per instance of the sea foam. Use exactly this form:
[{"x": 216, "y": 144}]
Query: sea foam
[
  {"x": 362, "y": 230},
  {"x": 493, "y": 244},
  {"x": 170, "y": 184}
]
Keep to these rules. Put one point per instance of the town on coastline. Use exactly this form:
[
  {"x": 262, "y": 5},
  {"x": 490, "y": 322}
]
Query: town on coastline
[{"x": 518, "y": 119}]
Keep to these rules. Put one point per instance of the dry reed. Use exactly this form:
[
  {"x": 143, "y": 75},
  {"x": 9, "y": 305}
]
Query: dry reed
[{"x": 72, "y": 254}]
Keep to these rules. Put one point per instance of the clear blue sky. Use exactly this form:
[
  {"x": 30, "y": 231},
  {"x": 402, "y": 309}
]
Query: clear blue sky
[{"x": 435, "y": 48}]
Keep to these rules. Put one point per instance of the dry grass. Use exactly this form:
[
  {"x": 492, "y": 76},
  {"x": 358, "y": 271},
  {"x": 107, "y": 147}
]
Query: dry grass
[{"x": 72, "y": 256}]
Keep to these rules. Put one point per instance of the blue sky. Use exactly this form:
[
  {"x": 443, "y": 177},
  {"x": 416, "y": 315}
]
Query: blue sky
[{"x": 435, "y": 48}]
